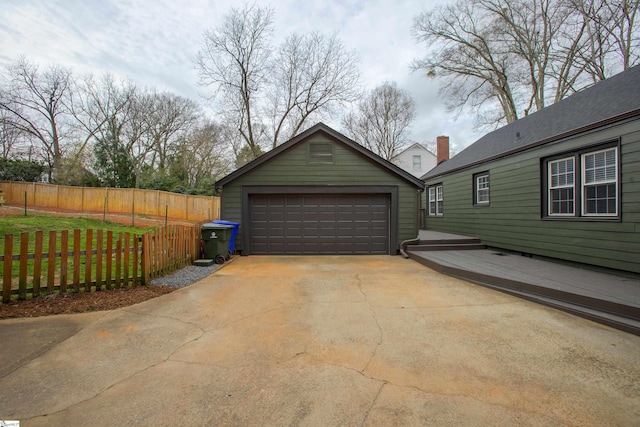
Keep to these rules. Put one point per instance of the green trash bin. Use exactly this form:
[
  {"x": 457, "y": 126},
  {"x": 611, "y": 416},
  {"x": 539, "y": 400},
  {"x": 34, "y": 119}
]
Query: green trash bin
[{"x": 216, "y": 241}]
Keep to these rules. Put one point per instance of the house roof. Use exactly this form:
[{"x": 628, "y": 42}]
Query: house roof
[
  {"x": 414, "y": 145},
  {"x": 614, "y": 99},
  {"x": 336, "y": 136}
]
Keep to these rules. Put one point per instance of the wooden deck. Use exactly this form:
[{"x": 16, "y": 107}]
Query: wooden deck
[{"x": 607, "y": 298}]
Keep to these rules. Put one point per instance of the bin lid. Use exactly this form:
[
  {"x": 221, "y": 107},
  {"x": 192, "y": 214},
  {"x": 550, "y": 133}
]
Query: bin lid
[
  {"x": 222, "y": 221},
  {"x": 211, "y": 226}
]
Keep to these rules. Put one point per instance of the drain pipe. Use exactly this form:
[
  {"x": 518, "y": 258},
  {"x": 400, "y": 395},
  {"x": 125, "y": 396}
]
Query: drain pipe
[{"x": 403, "y": 246}]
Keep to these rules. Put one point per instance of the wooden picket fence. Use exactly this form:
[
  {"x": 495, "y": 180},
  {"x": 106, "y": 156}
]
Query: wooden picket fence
[{"x": 108, "y": 261}]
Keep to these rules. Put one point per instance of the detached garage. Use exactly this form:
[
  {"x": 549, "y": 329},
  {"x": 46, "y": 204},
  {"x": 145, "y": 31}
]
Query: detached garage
[{"x": 321, "y": 193}]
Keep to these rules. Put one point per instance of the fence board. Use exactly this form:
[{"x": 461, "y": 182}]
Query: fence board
[
  {"x": 109, "y": 284},
  {"x": 24, "y": 259},
  {"x": 99, "y": 257},
  {"x": 118, "y": 260},
  {"x": 64, "y": 261},
  {"x": 8, "y": 265},
  {"x": 88, "y": 260},
  {"x": 76, "y": 260},
  {"x": 37, "y": 264},
  {"x": 125, "y": 262},
  {"x": 51, "y": 263},
  {"x": 146, "y": 259},
  {"x": 135, "y": 260}
]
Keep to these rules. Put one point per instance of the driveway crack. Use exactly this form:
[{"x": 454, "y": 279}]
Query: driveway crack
[{"x": 375, "y": 319}]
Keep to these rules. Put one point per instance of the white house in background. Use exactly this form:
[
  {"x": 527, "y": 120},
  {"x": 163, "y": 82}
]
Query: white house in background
[{"x": 417, "y": 160}]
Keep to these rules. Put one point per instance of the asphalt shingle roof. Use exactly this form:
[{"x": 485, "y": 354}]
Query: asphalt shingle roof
[{"x": 615, "y": 97}]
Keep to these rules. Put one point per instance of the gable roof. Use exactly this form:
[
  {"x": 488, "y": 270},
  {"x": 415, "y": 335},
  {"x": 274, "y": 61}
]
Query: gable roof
[
  {"x": 614, "y": 99},
  {"x": 414, "y": 145},
  {"x": 334, "y": 135}
]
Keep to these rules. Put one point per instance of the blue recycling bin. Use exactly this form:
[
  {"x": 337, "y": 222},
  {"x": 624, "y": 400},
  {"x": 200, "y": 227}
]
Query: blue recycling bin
[{"x": 234, "y": 232}]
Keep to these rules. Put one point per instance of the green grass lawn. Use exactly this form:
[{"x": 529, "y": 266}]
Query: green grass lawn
[{"x": 45, "y": 222}]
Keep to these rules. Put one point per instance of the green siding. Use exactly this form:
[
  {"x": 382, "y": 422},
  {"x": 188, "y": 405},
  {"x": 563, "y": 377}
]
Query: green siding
[
  {"x": 513, "y": 220},
  {"x": 292, "y": 167}
]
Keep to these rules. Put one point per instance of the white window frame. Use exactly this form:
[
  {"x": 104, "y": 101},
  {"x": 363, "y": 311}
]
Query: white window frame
[
  {"x": 606, "y": 181},
  {"x": 550, "y": 187},
  {"x": 484, "y": 188},
  {"x": 436, "y": 200}
]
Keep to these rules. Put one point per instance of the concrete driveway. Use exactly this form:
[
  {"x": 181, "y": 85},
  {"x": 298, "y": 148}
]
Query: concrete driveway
[{"x": 370, "y": 340}]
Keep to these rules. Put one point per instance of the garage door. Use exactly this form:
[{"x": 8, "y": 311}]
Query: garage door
[{"x": 319, "y": 224}]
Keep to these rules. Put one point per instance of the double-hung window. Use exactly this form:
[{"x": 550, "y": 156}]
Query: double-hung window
[
  {"x": 561, "y": 186},
  {"x": 583, "y": 184},
  {"x": 435, "y": 200},
  {"x": 600, "y": 182},
  {"x": 481, "y": 188}
]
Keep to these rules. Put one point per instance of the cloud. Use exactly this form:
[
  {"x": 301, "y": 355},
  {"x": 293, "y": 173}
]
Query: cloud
[{"x": 155, "y": 43}]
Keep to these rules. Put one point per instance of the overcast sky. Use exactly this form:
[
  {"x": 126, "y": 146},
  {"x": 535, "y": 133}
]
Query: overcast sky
[{"x": 154, "y": 42}]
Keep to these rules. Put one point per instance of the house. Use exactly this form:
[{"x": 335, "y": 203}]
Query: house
[
  {"x": 321, "y": 193},
  {"x": 563, "y": 182},
  {"x": 416, "y": 159}
]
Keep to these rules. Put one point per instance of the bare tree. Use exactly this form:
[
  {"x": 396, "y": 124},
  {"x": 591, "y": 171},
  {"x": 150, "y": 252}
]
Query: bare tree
[
  {"x": 10, "y": 136},
  {"x": 35, "y": 104},
  {"x": 235, "y": 61},
  {"x": 613, "y": 35},
  {"x": 203, "y": 154},
  {"x": 522, "y": 55},
  {"x": 96, "y": 102},
  {"x": 382, "y": 120},
  {"x": 312, "y": 74},
  {"x": 168, "y": 117},
  {"x": 270, "y": 94},
  {"x": 466, "y": 49}
]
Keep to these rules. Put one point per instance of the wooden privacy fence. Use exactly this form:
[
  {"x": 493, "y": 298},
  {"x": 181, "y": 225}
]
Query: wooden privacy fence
[
  {"x": 126, "y": 201},
  {"x": 107, "y": 260}
]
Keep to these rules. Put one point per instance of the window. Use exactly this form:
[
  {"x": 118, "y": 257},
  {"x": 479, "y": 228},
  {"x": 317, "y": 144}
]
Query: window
[
  {"x": 435, "y": 200},
  {"x": 320, "y": 152},
  {"x": 599, "y": 183},
  {"x": 583, "y": 184},
  {"x": 417, "y": 163},
  {"x": 481, "y": 189},
  {"x": 561, "y": 187}
]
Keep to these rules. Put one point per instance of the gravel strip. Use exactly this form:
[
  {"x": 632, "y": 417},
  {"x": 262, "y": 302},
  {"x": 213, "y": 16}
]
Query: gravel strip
[{"x": 186, "y": 276}]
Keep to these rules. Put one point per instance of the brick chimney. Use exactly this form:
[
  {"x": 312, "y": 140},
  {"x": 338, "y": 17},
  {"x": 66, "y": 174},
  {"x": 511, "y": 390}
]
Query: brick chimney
[{"x": 442, "y": 148}]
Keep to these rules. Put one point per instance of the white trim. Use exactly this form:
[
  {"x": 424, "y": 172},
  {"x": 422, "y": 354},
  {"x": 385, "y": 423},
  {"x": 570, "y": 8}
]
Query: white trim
[
  {"x": 436, "y": 197},
  {"x": 550, "y": 186},
  {"x": 486, "y": 187}
]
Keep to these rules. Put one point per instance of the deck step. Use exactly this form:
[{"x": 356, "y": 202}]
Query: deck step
[
  {"x": 445, "y": 246},
  {"x": 452, "y": 244}
]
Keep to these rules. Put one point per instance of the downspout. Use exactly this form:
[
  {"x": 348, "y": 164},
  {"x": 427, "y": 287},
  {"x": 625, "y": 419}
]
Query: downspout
[
  {"x": 403, "y": 246},
  {"x": 405, "y": 243}
]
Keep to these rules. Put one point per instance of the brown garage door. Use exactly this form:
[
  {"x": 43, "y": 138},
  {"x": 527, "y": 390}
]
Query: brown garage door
[{"x": 319, "y": 224}]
